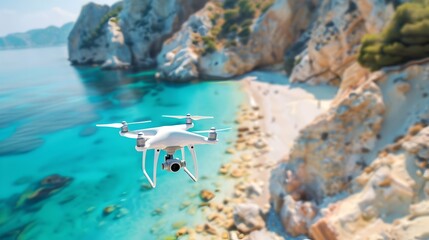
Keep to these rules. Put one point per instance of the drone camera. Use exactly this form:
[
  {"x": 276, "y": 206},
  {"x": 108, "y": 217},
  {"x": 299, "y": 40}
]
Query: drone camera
[{"x": 173, "y": 165}]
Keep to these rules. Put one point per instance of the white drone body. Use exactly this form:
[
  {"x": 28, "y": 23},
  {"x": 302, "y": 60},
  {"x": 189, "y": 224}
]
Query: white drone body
[{"x": 169, "y": 139}]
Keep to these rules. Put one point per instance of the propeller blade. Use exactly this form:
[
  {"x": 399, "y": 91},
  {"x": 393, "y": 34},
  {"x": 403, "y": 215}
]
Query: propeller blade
[
  {"x": 174, "y": 116},
  {"x": 110, "y": 125},
  {"x": 139, "y": 122},
  {"x": 119, "y": 125},
  {"x": 185, "y": 116},
  {"x": 217, "y": 130},
  {"x": 200, "y": 117}
]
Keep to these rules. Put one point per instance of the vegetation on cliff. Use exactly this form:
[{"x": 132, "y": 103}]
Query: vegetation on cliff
[
  {"x": 405, "y": 38},
  {"x": 98, "y": 30},
  {"x": 232, "y": 25}
]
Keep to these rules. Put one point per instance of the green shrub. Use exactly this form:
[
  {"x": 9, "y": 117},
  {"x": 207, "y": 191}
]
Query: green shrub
[
  {"x": 247, "y": 9},
  {"x": 229, "y": 4},
  {"x": 404, "y": 39},
  {"x": 98, "y": 30},
  {"x": 209, "y": 45}
]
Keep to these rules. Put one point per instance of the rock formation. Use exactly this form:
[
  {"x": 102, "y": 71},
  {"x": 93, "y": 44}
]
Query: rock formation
[
  {"x": 178, "y": 59},
  {"x": 86, "y": 42},
  {"x": 371, "y": 143},
  {"x": 143, "y": 25},
  {"x": 248, "y": 217},
  {"x": 119, "y": 55},
  {"x": 280, "y": 26},
  {"x": 336, "y": 38}
]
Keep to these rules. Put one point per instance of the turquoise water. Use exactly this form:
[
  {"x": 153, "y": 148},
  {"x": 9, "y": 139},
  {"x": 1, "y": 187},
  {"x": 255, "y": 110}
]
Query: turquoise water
[{"x": 48, "y": 110}]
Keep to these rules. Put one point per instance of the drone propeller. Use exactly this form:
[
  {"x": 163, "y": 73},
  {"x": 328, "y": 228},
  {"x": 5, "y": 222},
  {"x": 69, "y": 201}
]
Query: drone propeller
[
  {"x": 119, "y": 125},
  {"x": 187, "y": 116},
  {"x": 213, "y": 130}
]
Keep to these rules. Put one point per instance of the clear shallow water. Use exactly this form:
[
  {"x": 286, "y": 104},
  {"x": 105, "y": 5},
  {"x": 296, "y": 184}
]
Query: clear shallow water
[{"x": 48, "y": 110}]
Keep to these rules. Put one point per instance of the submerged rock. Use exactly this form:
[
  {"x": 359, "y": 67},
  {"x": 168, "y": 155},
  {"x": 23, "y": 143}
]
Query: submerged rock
[
  {"x": 108, "y": 210},
  {"x": 43, "y": 189}
]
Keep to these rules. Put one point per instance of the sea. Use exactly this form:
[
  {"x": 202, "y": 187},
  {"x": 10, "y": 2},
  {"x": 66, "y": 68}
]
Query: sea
[{"x": 48, "y": 113}]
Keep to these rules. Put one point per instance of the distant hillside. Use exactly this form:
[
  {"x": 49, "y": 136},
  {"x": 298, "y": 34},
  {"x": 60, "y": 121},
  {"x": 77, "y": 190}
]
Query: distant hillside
[{"x": 49, "y": 36}]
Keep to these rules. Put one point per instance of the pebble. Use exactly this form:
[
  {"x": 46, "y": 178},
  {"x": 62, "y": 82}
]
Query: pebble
[
  {"x": 230, "y": 151},
  {"x": 237, "y": 173},
  {"x": 206, "y": 195},
  {"x": 182, "y": 231},
  {"x": 108, "y": 210},
  {"x": 178, "y": 224},
  {"x": 209, "y": 229},
  {"x": 246, "y": 157},
  {"x": 199, "y": 228}
]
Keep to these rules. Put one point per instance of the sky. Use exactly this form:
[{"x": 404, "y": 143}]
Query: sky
[{"x": 23, "y": 15}]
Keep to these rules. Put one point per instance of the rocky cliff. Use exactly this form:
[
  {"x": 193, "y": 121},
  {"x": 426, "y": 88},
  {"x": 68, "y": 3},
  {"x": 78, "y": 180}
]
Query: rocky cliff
[
  {"x": 135, "y": 35},
  {"x": 359, "y": 171},
  {"x": 336, "y": 37},
  {"x": 217, "y": 43}
]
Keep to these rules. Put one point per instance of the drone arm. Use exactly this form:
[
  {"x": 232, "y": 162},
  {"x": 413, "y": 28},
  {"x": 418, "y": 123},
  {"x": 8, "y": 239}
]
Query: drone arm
[
  {"x": 155, "y": 162},
  {"x": 194, "y": 158}
]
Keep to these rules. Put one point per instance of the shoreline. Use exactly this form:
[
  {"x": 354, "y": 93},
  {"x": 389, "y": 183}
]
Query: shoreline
[{"x": 266, "y": 130}]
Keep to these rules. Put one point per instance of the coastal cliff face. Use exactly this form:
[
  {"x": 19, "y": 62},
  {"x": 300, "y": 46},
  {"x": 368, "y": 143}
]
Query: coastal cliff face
[
  {"x": 363, "y": 164},
  {"x": 336, "y": 38},
  {"x": 139, "y": 26},
  {"x": 269, "y": 34},
  {"x": 360, "y": 170},
  {"x": 86, "y": 42},
  {"x": 168, "y": 34}
]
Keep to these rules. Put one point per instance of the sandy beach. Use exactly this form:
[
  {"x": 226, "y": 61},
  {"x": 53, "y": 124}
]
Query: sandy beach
[{"x": 286, "y": 109}]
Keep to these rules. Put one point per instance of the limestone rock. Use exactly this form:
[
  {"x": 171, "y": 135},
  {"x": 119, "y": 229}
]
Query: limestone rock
[
  {"x": 263, "y": 234},
  {"x": 297, "y": 216},
  {"x": 336, "y": 38},
  {"x": 87, "y": 41},
  {"x": 318, "y": 167},
  {"x": 135, "y": 39},
  {"x": 178, "y": 59},
  {"x": 119, "y": 55},
  {"x": 147, "y": 23},
  {"x": 294, "y": 16},
  {"x": 248, "y": 217}
]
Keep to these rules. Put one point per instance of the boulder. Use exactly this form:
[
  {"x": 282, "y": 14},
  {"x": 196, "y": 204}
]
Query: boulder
[{"x": 248, "y": 217}]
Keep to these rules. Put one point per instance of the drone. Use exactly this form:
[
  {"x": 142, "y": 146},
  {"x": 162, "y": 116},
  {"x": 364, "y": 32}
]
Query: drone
[{"x": 170, "y": 139}]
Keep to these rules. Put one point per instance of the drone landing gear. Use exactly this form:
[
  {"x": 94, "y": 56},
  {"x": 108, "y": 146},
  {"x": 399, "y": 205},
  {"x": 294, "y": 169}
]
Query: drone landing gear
[
  {"x": 155, "y": 162},
  {"x": 194, "y": 158},
  {"x": 171, "y": 164}
]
